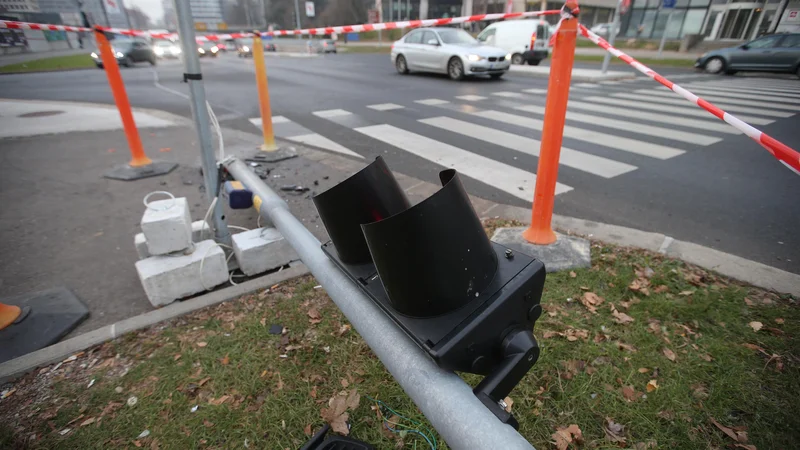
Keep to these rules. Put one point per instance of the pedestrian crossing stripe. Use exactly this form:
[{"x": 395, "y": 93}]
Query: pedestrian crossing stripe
[
  {"x": 727, "y": 106},
  {"x": 471, "y": 98},
  {"x": 509, "y": 94},
  {"x": 385, "y": 107},
  {"x": 732, "y": 101},
  {"x": 684, "y": 111},
  {"x": 748, "y": 87},
  {"x": 286, "y": 129},
  {"x": 586, "y": 162},
  {"x": 734, "y": 90},
  {"x": 431, "y": 101},
  {"x": 509, "y": 179}
]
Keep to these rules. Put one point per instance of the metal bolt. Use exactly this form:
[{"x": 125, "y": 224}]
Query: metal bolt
[
  {"x": 502, "y": 404},
  {"x": 509, "y": 253},
  {"x": 530, "y": 357}
]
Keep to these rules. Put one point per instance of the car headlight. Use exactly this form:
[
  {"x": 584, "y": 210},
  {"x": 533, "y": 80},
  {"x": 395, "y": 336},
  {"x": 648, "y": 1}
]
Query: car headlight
[
  {"x": 703, "y": 55},
  {"x": 120, "y": 55},
  {"x": 508, "y": 57},
  {"x": 474, "y": 58},
  {"x": 214, "y": 49},
  {"x": 94, "y": 55},
  {"x": 159, "y": 51},
  {"x": 176, "y": 51},
  {"x": 200, "y": 50},
  {"x": 245, "y": 48}
]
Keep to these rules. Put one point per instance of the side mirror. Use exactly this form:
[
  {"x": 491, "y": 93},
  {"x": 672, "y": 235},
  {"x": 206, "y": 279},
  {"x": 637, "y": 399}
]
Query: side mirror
[
  {"x": 433, "y": 42},
  {"x": 744, "y": 47}
]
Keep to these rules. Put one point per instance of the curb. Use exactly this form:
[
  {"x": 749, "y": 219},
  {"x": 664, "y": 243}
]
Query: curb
[{"x": 17, "y": 367}]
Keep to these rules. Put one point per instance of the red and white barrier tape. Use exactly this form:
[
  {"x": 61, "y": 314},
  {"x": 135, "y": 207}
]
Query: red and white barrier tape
[
  {"x": 782, "y": 152},
  {"x": 309, "y": 31}
]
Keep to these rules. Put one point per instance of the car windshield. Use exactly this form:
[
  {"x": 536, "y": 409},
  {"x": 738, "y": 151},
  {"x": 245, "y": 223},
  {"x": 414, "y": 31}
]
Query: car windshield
[
  {"x": 164, "y": 44},
  {"x": 456, "y": 37},
  {"x": 121, "y": 44}
]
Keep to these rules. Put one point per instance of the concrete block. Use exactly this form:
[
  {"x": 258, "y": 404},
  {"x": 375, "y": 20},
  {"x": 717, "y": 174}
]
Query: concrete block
[
  {"x": 568, "y": 252},
  {"x": 169, "y": 278},
  {"x": 200, "y": 231},
  {"x": 167, "y": 226},
  {"x": 260, "y": 250}
]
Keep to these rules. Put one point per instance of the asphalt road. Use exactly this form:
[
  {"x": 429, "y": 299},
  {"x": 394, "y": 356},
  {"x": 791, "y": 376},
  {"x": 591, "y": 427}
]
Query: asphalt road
[{"x": 637, "y": 161}]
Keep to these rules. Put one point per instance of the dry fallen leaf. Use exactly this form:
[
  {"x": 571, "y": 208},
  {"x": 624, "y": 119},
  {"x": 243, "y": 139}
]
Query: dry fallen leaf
[
  {"x": 509, "y": 404},
  {"x": 728, "y": 431},
  {"x": 313, "y": 392},
  {"x": 572, "y": 274},
  {"x": 614, "y": 431},
  {"x": 591, "y": 301},
  {"x": 629, "y": 393},
  {"x": 565, "y": 436},
  {"x": 706, "y": 357},
  {"x": 620, "y": 317},
  {"x": 352, "y": 399},
  {"x": 336, "y": 414},
  {"x": 307, "y": 430},
  {"x": 224, "y": 361},
  {"x": 661, "y": 289},
  {"x": 640, "y": 285},
  {"x": 344, "y": 383},
  {"x": 779, "y": 321},
  {"x": 755, "y": 325},
  {"x": 669, "y": 354},
  {"x": 645, "y": 445},
  {"x": 313, "y": 313},
  {"x": 623, "y": 346},
  {"x": 652, "y": 385},
  {"x": 202, "y": 344},
  {"x": 88, "y": 421},
  {"x": 644, "y": 370}
]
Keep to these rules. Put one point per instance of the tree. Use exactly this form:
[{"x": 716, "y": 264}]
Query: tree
[
  {"x": 343, "y": 12},
  {"x": 139, "y": 20}
]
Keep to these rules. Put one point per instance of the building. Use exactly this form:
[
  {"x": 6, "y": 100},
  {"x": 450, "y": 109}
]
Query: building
[
  {"x": 108, "y": 13},
  {"x": 18, "y": 6},
  {"x": 170, "y": 18}
]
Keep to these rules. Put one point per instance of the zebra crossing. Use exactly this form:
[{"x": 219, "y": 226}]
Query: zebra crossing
[{"x": 494, "y": 138}]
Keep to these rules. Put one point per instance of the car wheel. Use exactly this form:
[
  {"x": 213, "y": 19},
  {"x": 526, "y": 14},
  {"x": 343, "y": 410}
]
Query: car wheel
[
  {"x": 153, "y": 62},
  {"x": 99, "y": 66},
  {"x": 534, "y": 62},
  {"x": 401, "y": 65},
  {"x": 516, "y": 58},
  {"x": 126, "y": 62},
  {"x": 496, "y": 76},
  {"x": 715, "y": 65},
  {"x": 797, "y": 71},
  {"x": 455, "y": 68}
]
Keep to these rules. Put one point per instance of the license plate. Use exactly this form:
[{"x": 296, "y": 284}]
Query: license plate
[{"x": 491, "y": 66}]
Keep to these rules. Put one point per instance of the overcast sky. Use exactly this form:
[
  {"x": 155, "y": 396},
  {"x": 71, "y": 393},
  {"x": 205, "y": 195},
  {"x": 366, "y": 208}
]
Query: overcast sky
[{"x": 150, "y": 7}]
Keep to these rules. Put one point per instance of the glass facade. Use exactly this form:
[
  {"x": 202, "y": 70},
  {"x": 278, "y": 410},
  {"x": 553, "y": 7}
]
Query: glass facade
[{"x": 646, "y": 20}]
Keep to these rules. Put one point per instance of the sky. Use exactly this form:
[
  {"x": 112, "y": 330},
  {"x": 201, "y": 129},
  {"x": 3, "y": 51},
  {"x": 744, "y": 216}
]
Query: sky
[{"x": 150, "y": 7}]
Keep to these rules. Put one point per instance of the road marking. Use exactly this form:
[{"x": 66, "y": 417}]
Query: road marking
[
  {"x": 731, "y": 101},
  {"x": 385, "y": 107},
  {"x": 683, "y": 111},
  {"x": 297, "y": 133},
  {"x": 718, "y": 127},
  {"x": 331, "y": 113},
  {"x": 749, "y": 93},
  {"x": 471, "y": 98},
  {"x": 535, "y": 91},
  {"x": 751, "y": 85},
  {"x": 317, "y": 140},
  {"x": 610, "y": 83},
  {"x": 586, "y": 162},
  {"x": 585, "y": 85},
  {"x": 431, "y": 101},
  {"x": 506, "y": 178},
  {"x": 624, "y": 125},
  {"x": 607, "y": 140},
  {"x": 508, "y": 94},
  {"x": 725, "y": 106}
]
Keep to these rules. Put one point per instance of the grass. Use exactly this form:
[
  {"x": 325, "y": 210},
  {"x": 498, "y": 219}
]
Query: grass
[
  {"x": 666, "y": 62},
  {"x": 385, "y": 48},
  {"x": 51, "y": 64},
  {"x": 593, "y": 371}
]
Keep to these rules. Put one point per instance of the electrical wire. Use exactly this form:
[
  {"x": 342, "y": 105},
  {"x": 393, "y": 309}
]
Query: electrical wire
[
  {"x": 238, "y": 228},
  {"x": 218, "y": 129},
  {"x": 428, "y": 435}
]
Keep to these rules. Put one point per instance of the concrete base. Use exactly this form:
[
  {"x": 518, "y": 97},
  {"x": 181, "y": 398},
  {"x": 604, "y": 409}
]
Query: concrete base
[
  {"x": 568, "y": 252},
  {"x": 167, "y": 226},
  {"x": 52, "y": 315},
  {"x": 577, "y": 73},
  {"x": 169, "y": 278},
  {"x": 125, "y": 172},
  {"x": 260, "y": 250},
  {"x": 282, "y": 153}
]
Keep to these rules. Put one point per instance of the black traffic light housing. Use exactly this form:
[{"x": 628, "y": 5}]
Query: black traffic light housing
[{"x": 468, "y": 302}]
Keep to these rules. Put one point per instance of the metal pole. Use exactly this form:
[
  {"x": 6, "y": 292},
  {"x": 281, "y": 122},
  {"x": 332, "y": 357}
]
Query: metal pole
[
  {"x": 197, "y": 95},
  {"x": 664, "y": 36},
  {"x": 612, "y": 34},
  {"x": 297, "y": 14},
  {"x": 444, "y": 398}
]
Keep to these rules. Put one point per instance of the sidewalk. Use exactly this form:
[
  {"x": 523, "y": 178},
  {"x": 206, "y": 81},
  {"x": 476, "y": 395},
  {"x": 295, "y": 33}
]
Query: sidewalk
[{"x": 6, "y": 60}]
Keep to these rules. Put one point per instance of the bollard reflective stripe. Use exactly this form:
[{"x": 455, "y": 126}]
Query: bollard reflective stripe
[
  {"x": 540, "y": 232},
  {"x": 138, "y": 158},
  {"x": 263, "y": 95}
]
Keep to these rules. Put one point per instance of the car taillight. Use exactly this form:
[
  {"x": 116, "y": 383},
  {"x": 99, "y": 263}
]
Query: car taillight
[{"x": 533, "y": 39}]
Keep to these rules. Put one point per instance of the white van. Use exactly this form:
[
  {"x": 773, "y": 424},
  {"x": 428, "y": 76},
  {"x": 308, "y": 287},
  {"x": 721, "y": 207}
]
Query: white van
[{"x": 517, "y": 36}]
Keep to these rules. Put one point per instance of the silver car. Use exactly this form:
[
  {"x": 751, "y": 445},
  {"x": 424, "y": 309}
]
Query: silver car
[
  {"x": 773, "y": 53},
  {"x": 448, "y": 50}
]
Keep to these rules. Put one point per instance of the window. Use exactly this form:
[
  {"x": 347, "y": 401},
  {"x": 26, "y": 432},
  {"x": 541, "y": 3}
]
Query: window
[
  {"x": 429, "y": 36},
  {"x": 487, "y": 35},
  {"x": 765, "y": 42},
  {"x": 694, "y": 21},
  {"x": 453, "y": 36},
  {"x": 414, "y": 37},
  {"x": 792, "y": 40}
]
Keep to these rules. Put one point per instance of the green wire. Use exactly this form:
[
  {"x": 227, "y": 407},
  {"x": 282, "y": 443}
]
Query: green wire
[{"x": 418, "y": 424}]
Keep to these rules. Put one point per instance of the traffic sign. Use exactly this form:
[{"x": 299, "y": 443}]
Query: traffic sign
[
  {"x": 668, "y": 4},
  {"x": 309, "y": 9}
]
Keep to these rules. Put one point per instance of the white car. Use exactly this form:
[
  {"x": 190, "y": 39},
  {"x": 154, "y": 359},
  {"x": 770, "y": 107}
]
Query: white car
[
  {"x": 448, "y": 50},
  {"x": 526, "y": 40},
  {"x": 166, "y": 49}
]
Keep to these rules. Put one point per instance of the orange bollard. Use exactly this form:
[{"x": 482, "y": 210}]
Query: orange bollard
[
  {"x": 8, "y": 314},
  {"x": 138, "y": 159},
  {"x": 540, "y": 232},
  {"x": 263, "y": 95}
]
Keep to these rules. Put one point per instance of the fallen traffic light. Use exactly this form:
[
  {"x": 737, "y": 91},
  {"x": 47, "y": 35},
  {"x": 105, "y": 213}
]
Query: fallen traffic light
[{"x": 468, "y": 302}]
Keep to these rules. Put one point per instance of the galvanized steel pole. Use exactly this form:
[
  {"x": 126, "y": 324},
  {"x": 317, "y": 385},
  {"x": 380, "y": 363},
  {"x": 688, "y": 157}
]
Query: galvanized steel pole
[
  {"x": 197, "y": 93},
  {"x": 444, "y": 398}
]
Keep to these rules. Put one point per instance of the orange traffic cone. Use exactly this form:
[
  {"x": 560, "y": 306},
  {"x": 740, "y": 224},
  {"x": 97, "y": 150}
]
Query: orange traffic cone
[{"x": 8, "y": 314}]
